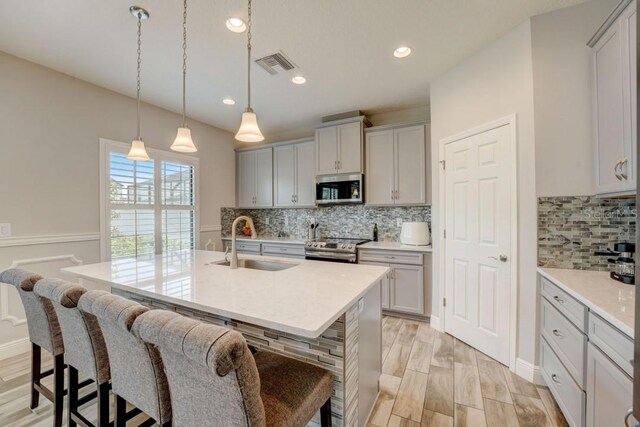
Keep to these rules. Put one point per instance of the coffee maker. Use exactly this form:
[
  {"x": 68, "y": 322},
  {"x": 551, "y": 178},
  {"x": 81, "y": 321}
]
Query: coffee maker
[{"x": 624, "y": 265}]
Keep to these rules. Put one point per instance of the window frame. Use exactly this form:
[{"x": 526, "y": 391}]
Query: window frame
[{"x": 108, "y": 146}]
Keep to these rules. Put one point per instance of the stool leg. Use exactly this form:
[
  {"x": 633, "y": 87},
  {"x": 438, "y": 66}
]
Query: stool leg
[
  {"x": 121, "y": 411},
  {"x": 58, "y": 389},
  {"x": 72, "y": 391},
  {"x": 103, "y": 405},
  {"x": 325, "y": 414},
  {"x": 36, "y": 369}
]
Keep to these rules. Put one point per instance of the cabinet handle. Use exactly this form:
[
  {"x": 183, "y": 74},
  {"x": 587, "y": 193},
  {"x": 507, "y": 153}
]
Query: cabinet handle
[
  {"x": 616, "y": 172},
  {"x": 556, "y": 333},
  {"x": 389, "y": 257},
  {"x": 554, "y": 377},
  {"x": 557, "y": 298},
  {"x": 624, "y": 174},
  {"x": 335, "y": 164},
  {"x": 393, "y": 195},
  {"x": 339, "y": 165}
]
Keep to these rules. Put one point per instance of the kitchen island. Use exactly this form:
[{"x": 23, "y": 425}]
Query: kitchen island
[{"x": 327, "y": 314}]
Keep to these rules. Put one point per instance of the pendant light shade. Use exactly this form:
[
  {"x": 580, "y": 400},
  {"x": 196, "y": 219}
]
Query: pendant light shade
[
  {"x": 137, "y": 151},
  {"x": 249, "y": 130},
  {"x": 183, "y": 142}
]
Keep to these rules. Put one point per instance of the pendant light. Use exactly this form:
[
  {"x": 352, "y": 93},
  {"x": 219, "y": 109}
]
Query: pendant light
[
  {"x": 249, "y": 130},
  {"x": 138, "y": 152},
  {"x": 183, "y": 142}
]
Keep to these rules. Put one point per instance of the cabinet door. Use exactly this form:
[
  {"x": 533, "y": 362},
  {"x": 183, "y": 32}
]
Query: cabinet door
[
  {"x": 410, "y": 159},
  {"x": 609, "y": 110},
  {"x": 407, "y": 289},
  {"x": 284, "y": 175},
  {"x": 628, "y": 21},
  {"x": 379, "y": 182},
  {"x": 305, "y": 174},
  {"x": 264, "y": 177},
  {"x": 350, "y": 148},
  {"x": 386, "y": 284},
  {"x": 326, "y": 150},
  {"x": 609, "y": 391},
  {"x": 246, "y": 173}
]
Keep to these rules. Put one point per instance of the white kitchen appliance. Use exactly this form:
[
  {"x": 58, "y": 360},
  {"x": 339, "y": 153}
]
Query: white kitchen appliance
[{"x": 415, "y": 233}]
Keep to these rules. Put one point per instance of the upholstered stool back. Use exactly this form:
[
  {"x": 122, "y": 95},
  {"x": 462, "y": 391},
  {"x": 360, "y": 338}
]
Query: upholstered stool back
[
  {"x": 42, "y": 322},
  {"x": 137, "y": 372},
  {"x": 211, "y": 371},
  {"x": 84, "y": 344}
]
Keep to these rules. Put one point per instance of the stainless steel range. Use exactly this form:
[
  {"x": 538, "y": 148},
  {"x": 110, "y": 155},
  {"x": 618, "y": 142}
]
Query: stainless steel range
[{"x": 333, "y": 249}]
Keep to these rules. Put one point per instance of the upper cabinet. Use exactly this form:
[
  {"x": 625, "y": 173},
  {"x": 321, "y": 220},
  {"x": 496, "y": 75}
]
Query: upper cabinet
[
  {"x": 255, "y": 178},
  {"x": 614, "y": 53},
  {"x": 339, "y": 148},
  {"x": 396, "y": 160},
  {"x": 294, "y": 172}
]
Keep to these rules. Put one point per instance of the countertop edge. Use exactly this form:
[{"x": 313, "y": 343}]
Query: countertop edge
[{"x": 618, "y": 324}]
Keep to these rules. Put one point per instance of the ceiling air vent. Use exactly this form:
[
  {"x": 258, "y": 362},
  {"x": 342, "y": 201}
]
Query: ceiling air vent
[{"x": 273, "y": 64}]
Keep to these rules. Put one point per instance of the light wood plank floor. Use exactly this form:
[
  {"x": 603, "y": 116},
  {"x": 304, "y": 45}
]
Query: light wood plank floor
[{"x": 431, "y": 379}]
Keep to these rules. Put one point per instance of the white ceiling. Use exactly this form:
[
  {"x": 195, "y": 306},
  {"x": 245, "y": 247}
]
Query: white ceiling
[{"x": 343, "y": 47}]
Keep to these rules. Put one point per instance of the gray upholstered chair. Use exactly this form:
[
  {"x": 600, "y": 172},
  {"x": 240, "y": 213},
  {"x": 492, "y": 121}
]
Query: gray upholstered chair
[
  {"x": 215, "y": 379},
  {"x": 44, "y": 332},
  {"x": 137, "y": 372},
  {"x": 85, "y": 349}
]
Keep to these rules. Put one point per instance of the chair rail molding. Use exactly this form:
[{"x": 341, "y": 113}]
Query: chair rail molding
[
  {"x": 6, "y": 242},
  {"x": 210, "y": 228},
  {"x": 4, "y": 288}
]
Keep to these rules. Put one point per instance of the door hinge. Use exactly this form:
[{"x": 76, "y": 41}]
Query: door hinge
[
  {"x": 444, "y": 164},
  {"x": 444, "y": 302},
  {"x": 445, "y": 233}
]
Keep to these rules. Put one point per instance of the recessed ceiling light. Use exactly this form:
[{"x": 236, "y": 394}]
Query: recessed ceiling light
[
  {"x": 402, "y": 52},
  {"x": 236, "y": 25},
  {"x": 299, "y": 80},
  {"x": 228, "y": 101}
]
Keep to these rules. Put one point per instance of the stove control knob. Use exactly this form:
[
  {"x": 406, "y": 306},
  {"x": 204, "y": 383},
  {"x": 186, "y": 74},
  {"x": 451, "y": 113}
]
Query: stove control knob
[
  {"x": 344, "y": 246},
  {"x": 350, "y": 247}
]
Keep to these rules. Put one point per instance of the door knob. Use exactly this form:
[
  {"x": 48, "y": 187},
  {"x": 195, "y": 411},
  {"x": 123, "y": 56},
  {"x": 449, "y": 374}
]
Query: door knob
[{"x": 501, "y": 258}]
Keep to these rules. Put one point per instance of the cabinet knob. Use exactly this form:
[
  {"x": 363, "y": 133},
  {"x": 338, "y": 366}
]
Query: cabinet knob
[
  {"x": 557, "y": 298},
  {"x": 556, "y": 333},
  {"x": 554, "y": 377}
]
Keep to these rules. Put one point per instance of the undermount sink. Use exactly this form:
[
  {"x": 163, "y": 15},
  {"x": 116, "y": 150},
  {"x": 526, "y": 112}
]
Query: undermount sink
[{"x": 255, "y": 264}]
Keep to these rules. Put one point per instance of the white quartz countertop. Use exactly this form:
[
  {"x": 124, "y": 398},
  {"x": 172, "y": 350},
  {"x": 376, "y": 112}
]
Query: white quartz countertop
[
  {"x": 395, "y": 246},
  {"x": 303, "y": 300},
  {"x": 608, "y": 298},
  {"x": 271, "y": 239}
]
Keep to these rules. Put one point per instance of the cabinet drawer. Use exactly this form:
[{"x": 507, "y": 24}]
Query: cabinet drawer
[
  {"x": 282, "y": 249},
  {"x": 569, "y": 306},
  {"x": 612, "y": 342},
  {"x": 565, "y": 339},
  {"x": 570, "y": 398},
  {"x": 395, "y": 257},
  {"x": 244, "y": 246}
]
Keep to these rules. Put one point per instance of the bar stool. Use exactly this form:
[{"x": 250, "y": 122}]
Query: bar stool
[
  {"x": 85, "y": 350},
  {"x": 44, "y": 332},
  {"x": 137, "y": 372},
  {"x": 214, "y": 376}
]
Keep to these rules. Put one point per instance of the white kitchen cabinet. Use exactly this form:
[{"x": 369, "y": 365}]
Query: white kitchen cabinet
[
  {"x": 396, "y": 163},
  {"x": 609, "y": 391},
  {"x": 614, "y": 52},
  {"x": 293, "y": 175},
  {"x": 386, "y": 284},
  {"x": 255, "y": 178},
  {"x": 406, "y": 289},
  {"x": 339, "y": 148}
]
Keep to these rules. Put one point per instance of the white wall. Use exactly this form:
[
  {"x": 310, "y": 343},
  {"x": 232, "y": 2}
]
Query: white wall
[
  {"x": 50, "y": 126},
  {"x": 495, "y": 82},
  {"x": 563, "y": 83}
]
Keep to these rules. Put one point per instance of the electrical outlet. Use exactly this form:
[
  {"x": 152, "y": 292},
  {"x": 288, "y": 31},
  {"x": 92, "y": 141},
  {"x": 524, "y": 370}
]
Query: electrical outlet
[
  {"x": 266, "y": 220},
  {"x": 399, "y": 222},
  {"x": 5, "y": 230}
]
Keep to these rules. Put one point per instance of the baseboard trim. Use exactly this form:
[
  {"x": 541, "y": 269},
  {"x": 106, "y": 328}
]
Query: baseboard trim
[
  {"x": 435, "y": 323},
  {"x": 528, "y": 371},
  {"x": 14, "y": 348}
]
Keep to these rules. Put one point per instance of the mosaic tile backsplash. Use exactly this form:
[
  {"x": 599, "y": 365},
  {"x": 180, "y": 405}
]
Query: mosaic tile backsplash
[
  {"x": 572, "y": 229},
  {"x": 334, "y": 221}
]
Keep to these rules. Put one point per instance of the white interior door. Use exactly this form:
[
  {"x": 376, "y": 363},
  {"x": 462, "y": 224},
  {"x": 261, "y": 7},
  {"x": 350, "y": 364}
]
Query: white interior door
[{"x": 478, "y": 241}]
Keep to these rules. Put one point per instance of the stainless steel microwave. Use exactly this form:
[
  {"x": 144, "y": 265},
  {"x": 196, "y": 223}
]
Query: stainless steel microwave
[{"x": 335, "y": 189}]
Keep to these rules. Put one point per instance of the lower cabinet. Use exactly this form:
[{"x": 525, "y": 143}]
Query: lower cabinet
[
  {"x": 609, "y": 391},
  {"x": 403, "y": 288}
]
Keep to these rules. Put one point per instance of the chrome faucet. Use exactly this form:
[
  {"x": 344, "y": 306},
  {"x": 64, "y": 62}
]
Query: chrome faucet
[{"x": 233, "y": 264}]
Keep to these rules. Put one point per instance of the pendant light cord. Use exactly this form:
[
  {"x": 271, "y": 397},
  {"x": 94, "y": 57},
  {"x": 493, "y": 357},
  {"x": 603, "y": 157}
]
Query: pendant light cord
[
  {"x": 184, "y": 65},
  {"x": 138, "y": 77},
  {"x": 249, "y": 58}
]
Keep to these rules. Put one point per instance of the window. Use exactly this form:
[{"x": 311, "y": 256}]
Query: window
[{"x": 149, "y": 207}]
